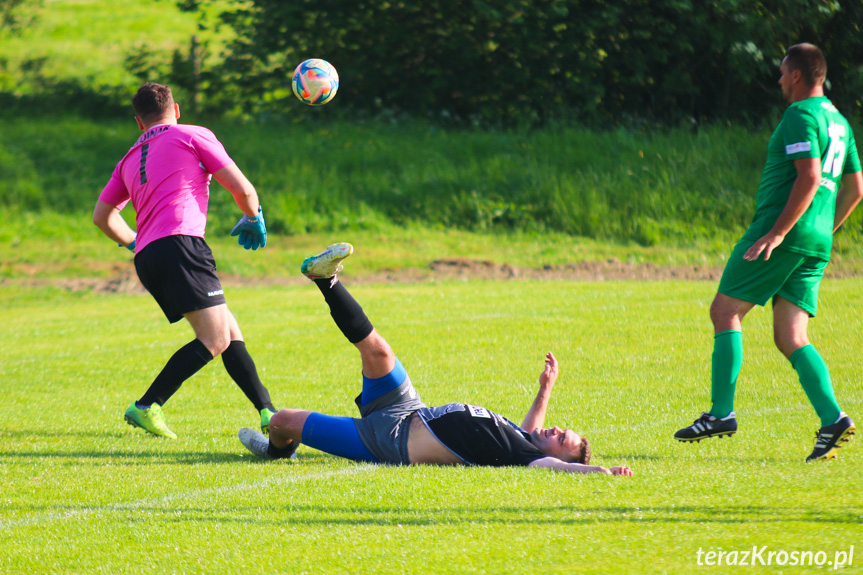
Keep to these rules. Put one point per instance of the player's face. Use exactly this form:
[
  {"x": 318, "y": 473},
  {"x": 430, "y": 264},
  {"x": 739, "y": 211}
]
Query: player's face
[
  {"x": 785, "y": 81},
  {"x": 557, "y": 442}
]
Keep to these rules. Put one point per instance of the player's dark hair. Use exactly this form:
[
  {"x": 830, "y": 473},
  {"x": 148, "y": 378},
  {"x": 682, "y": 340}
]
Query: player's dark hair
[
  {"x": 152, "y": 101},
  {"x": 584, "y": 455},
  {"x": 809, "y": 60}
]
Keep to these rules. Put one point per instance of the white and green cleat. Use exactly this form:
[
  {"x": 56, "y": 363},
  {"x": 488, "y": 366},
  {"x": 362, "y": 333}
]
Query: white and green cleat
[
  {"x": 255, "y": 442},
  {"x": 149, "y": 419},
  {"x": 258, "y": 444},
  {"x": 327, "y": 263}
]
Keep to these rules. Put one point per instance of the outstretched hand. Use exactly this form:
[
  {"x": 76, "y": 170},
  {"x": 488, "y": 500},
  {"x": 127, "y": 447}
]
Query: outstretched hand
[
  {"x": 252, "y": 231},
  {"x": 549, "y": 374},
  {"x": 621, "y": 470}
]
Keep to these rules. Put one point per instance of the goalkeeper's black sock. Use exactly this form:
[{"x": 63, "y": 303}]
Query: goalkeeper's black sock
[
  {"x": 347, "y": 313},
  {"x": 185, "y": 363},
  {"x": 241, "y": 367}
]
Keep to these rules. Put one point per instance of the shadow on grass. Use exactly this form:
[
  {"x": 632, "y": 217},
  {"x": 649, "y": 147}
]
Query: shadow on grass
[
  {"x": 126, "y": 457},
  {"x": 565, "y": 515},
  {"x": 133, "y": 457},
  {"x": 609, "y": 458},
  {"x": 29, "y": 434},
  {"x": 612, "y": 458},
  {"x": 311, "y": 516}
]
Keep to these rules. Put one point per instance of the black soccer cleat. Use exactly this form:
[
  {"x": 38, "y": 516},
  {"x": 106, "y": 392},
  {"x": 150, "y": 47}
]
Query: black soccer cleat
[
  {"x": 831, "y": 438},
  {"x": 708, "y": 426}
]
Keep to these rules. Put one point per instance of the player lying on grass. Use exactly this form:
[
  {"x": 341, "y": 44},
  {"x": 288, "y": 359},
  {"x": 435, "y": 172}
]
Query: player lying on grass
[{"x": 396, "y": 427}]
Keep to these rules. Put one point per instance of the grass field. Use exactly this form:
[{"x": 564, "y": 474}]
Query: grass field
[
  {"x": 86, "y": 41},
  {"x": 84, "y": 493},
  {"x": 81, "y": 492}
]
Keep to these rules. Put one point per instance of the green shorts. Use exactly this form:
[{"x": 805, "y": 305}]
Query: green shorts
[{"x": 789, "y": 275}]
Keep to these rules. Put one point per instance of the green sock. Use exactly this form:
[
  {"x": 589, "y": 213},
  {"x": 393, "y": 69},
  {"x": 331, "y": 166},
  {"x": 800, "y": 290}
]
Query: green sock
[
  {"x": 727, "y": 359},
  {"x": 815, "y": 379}
]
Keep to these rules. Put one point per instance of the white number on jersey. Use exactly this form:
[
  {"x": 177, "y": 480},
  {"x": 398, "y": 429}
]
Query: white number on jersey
[{"x": 835, "y": 157}]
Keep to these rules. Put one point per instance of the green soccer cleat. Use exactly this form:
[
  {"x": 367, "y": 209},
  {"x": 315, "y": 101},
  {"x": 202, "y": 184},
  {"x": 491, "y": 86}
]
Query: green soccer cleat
[
  {"x": 327, "y": 263},
  {"x": 149, "y": 419},
  {"x": 266, "y": 415}
]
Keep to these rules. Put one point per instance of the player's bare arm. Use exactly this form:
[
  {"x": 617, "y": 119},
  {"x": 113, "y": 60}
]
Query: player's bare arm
[
  {"x": 108, "y": 219},
  {"x": 535, "y": 417},
  {"x": 233, "y": 179},
  {"x": 848, "y": 197},
  {"x": 554, "y": 463},
  {"x": 802, "y": 193}
]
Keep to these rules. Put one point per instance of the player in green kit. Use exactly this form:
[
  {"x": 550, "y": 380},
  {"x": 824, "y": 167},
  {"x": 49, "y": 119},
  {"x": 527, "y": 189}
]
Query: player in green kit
[{"x": 810, "y": 185}]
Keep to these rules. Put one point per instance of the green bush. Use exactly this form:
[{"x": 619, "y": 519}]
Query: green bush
[{"x": 525, "y": 62}]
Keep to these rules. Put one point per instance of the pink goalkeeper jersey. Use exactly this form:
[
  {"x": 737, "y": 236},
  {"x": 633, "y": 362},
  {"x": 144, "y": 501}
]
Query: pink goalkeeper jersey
[{"x": 167, "y": 176}]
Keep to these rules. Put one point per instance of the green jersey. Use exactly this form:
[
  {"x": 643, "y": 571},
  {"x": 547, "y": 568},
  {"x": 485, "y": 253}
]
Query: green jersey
[{"x": 811, "y": 128}]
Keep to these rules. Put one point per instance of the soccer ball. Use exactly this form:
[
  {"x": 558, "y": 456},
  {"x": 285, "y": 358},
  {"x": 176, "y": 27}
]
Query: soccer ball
[{"x": 315, "y": 82}]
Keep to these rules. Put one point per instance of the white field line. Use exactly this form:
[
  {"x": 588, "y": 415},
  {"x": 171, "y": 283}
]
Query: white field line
[
  {"x": 184, "y": 496},
  {"x": 682, "y": 421}
]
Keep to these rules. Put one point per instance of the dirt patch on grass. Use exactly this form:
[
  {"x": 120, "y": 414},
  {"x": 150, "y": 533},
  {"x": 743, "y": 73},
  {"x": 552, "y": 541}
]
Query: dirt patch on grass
[
  {"x": 124, "y": 279},
  {"x": 611, "y": 269}
]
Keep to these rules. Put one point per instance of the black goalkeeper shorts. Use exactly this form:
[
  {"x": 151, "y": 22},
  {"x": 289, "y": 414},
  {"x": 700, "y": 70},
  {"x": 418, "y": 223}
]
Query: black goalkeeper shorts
[{"x": 180, "y": 273}]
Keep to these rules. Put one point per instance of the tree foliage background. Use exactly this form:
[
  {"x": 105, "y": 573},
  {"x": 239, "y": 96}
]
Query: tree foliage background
[
  {"x": 532, "y": 61},
  {"x": 17, "y": 13}
]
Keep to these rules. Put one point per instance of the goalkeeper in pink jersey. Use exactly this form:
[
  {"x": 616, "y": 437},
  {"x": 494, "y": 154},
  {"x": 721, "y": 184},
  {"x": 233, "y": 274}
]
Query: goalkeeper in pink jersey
[{"x": 166, "y": 175}]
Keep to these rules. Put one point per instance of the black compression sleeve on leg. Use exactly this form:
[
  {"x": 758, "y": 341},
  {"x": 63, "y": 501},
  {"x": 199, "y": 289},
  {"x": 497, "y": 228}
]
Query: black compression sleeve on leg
[
  {"x": 241, "y": 367},
  {"x": 283, "y": 453},
  {"x": 347, "y": 313},
  {"x": 185, "y": 363}
]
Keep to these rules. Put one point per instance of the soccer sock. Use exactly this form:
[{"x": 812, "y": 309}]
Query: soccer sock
[
  {"x": 815, "y": 379},
  {"x": 241, "y": 367},
  {"x": 346, "y": 312},
  {"x": 378, "y": 387},
  {"x": 185, "y": 363},
  {"x": 727, "y": 360},
  {"x": 283, "y": 453}
]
